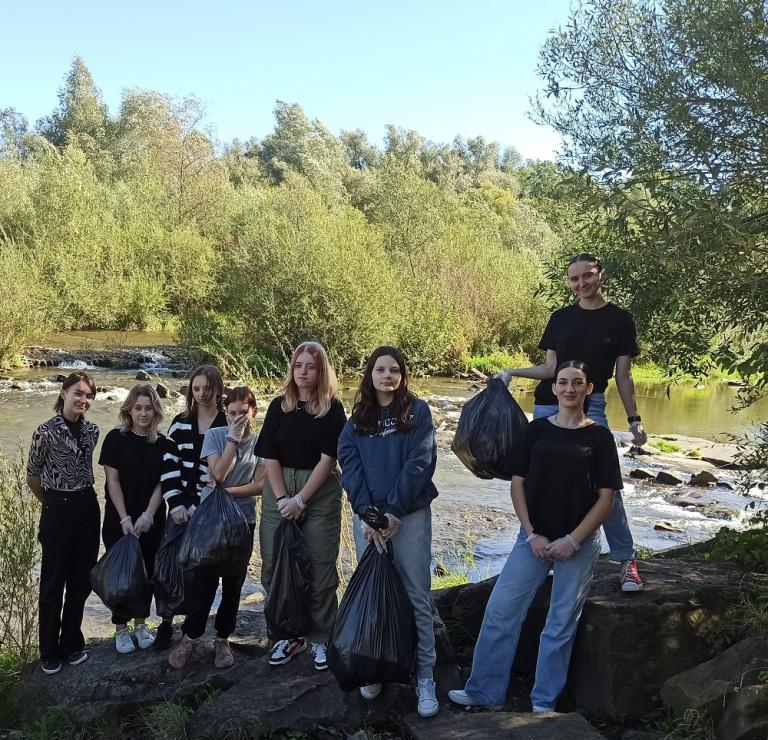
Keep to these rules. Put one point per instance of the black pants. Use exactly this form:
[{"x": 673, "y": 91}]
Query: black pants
[
  {"x": 199, "y": 594},
  {"x": 149, "y": 542},
  {"x": 69, "y": 535}
]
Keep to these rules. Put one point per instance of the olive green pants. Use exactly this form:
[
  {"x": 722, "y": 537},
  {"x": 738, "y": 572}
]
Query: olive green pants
[{"x": 321, "y": 526}]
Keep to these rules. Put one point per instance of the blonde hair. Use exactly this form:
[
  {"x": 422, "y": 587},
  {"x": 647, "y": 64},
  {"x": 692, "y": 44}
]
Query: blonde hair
[
  {"x": 319, "y": 401},
  {"x": 125, "y": 410}
]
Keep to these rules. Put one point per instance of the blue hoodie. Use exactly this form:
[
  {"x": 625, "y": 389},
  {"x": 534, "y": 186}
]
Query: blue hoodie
[{"x": 391, "y": 470}]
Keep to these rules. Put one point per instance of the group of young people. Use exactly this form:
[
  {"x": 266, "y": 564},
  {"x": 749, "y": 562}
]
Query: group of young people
[{"x": 565, "y": 487}]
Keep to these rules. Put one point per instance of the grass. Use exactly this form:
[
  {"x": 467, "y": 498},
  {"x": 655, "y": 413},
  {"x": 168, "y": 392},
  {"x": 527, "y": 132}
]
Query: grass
[
  {"x": 494, "y": 362},
  {"x": 693, "y": 725},
  {"x": 665, "y": 445},
  {"x": 453, "y": 565}
]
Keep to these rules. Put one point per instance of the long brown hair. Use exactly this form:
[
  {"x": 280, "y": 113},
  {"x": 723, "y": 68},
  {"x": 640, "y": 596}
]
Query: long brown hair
[
  {"x": 215, "y": 387},
  {"x": 319, "y": 401},
  {"x": 366, "y": 410},
  {"x": 73, "y": 379}
]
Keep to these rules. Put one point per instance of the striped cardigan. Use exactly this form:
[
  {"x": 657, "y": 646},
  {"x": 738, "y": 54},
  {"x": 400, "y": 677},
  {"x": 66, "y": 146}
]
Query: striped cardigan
[{"x": 185, "y": 433}]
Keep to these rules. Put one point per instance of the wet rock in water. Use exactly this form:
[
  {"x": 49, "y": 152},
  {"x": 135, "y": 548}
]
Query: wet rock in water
[
  {"x": 708, "y": 686},
  {"x": 162, "y": 390},
  {"x": 112, "y": 397},
  {"x": 183, "y": 389},
  {"x": 489, "y": 725},
  {"x": 16, "y": 386},
  {"x": 58, "y": 378},
  {"x": 641, "y": 474},
  {"x": 475, "y": 373},
  {"x": 668, "y": 478},
  {"x": 667, "y": 527},
  {"x": 724, "y": 484},
  {"x": 703, "y": 479},
  {"x": 142, "y": 375}
]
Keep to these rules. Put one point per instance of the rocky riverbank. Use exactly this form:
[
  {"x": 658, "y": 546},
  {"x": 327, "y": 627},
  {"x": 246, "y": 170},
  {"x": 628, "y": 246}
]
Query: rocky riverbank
[{"x": 630, "y": 650}]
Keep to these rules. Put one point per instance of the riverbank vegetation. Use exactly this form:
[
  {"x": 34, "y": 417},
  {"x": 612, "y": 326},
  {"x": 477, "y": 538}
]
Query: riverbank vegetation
[{"x": 142, "y": 220}]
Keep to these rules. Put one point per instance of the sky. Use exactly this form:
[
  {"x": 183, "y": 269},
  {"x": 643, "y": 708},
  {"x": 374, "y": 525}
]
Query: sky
[{"x": 442, "y": 67}]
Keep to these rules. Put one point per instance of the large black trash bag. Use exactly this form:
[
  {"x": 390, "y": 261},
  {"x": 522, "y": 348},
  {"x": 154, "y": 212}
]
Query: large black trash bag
[
  {"x": 168, "y": 578},
  {"x": 491, "y": 427},
  {"x": 286, "y": 609},
  {"x": 217, "y": 540},
  {"x": 374, "y": 635},
  {"x": 119, "y": 578}
]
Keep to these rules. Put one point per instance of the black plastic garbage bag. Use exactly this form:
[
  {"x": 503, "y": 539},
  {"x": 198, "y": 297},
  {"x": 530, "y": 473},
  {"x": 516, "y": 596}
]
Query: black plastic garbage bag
[
  {"x": 374, "y": 636},
  {"x": 119, "y": 578},
  {"x": 168, "y": 578},
  {"x": 286, "y": 609},
  {"x": 490, "y": 429},
  {"x": 217, "y": 540}
]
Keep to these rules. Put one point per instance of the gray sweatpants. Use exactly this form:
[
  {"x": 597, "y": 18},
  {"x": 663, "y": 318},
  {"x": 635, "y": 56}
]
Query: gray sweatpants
[{"x": 412, "y": 552}]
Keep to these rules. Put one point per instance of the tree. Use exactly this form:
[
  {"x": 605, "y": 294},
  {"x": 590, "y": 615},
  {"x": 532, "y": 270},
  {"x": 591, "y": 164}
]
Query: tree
[
  {"x": 663, "y": 109},
  {"x": 13, "y": 129}
]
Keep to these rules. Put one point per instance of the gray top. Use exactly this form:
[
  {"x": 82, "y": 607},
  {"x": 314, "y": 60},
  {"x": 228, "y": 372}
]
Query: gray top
[{"x": 242, "y": 471}]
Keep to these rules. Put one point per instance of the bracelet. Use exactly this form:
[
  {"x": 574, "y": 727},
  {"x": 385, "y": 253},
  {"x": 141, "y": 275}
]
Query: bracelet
[
  {"x": 633, "y": 419},
  {"x": 573, "y": 542},
  {"x": 125, "y": 519},
  {"x": 531, "y": 537}
]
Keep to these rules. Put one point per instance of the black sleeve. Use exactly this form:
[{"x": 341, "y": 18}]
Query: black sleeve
[
  {"x": 608, "y": 473},
  {"x": 548, "y": 337},
  {"x": 334, "y": 420},
  {"x": 110, "y": 454},
  {"x": 627, "y": 343},
  {"x": 266, "y": 445},
  {"x": 522, "y": 455}
]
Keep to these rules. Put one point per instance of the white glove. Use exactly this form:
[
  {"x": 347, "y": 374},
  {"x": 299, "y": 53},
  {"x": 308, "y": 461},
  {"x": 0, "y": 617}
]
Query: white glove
[
  {"x": 639, "y": 436},
  {"x": 236, "y": 427},
  {"x": 282, "y": 502},
  {"x": 563, "y": 548},
  {"x": 127, "y": 524},
  {"x": 505, "y": 376},
  {"x": 143, "y": 524},
  {"x": 180, "y": 515}
]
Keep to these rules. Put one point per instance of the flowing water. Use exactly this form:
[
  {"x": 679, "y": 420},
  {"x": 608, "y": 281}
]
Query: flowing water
[{"x": 686, "y": 410}]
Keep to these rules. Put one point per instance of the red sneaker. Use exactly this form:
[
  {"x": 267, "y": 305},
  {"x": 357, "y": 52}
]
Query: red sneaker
[{"x": 630, "y": 579}]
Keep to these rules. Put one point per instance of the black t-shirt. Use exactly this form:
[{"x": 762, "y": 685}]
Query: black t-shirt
[
  {"x": 596, "y": 337},
  {"x": 298, "y": 439},
  {"x": 139, "y": 465},
  {"x": 563, "y": 468}
]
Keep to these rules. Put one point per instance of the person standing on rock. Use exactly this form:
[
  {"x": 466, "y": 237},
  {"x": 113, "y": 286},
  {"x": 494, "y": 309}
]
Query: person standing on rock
[
  {"x": 204, "y": 411},
  {"x": 603, "y": 335},
  {"x": 141, "y": 466},
  {"x": 60, "y": 475},
  {"x": 565, "y": 475},
  {"x": 388, "y": 454},
  {"x": 229, "y": 453},
  {"x": 298, "y": 444}
]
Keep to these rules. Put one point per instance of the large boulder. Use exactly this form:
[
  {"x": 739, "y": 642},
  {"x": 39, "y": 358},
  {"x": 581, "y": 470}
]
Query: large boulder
[
  {"x": 455, "y": 725},
  {"x": 746, "y": 716},
  {"x": 709, "y": 686},
  {"x": 627, "y": 644}
]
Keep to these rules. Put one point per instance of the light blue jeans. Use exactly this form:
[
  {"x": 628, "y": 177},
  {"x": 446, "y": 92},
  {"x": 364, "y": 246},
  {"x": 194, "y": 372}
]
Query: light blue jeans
[
  {"x": 508, "y": 605},
  {"x": 616, "y": 526}
]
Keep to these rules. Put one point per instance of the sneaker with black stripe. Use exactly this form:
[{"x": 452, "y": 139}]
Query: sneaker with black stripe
[{"x": 285, "y": 650}]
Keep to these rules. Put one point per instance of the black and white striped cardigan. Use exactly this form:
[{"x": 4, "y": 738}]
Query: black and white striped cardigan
[{"x": 185, "y": 433}]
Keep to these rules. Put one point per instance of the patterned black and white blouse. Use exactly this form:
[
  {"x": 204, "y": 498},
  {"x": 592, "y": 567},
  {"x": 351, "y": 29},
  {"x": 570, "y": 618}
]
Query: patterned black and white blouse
[{"x": 63, "y": 462}]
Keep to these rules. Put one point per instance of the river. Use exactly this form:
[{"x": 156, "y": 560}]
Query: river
[{"x": 468, "y": 509}]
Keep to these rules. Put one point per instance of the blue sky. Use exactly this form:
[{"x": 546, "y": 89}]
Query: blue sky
[{"x": 442, "y": 68}]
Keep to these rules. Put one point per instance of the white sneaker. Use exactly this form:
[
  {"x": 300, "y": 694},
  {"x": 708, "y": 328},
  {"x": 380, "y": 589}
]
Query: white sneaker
[
  {"x": 462, "y": 698},
  {"x": 370, "y": 692},
  {"x": 428, "y": 705},
  {"x": 143, "y": 636},
  {"x": 538, "y": 709},
  {"x": 284, "y": 650},
  {"x": 320, "y": 655},
  {"x": 123, "y": 642}
]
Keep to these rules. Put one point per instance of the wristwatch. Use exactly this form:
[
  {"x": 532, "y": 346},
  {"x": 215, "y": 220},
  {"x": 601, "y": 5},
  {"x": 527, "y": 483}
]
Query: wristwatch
[{"x": 633, "y": 419}]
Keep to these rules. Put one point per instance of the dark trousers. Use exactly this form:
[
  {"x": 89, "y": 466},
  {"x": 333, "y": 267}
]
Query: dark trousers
[
  {"x": 69, "y": 536},
  {"x": 199, "y": 594},
  {"x": 149, "y": 542}
]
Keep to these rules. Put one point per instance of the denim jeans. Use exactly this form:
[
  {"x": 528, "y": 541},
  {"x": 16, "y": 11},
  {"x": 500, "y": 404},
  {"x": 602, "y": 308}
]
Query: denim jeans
[
  {"x": 508, "y": 605},
  {"x": 616, "y": 526}
]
